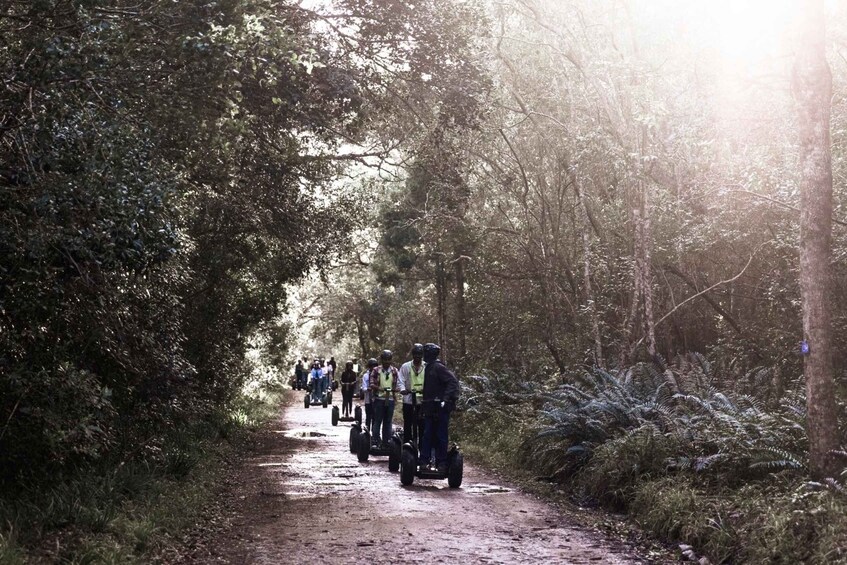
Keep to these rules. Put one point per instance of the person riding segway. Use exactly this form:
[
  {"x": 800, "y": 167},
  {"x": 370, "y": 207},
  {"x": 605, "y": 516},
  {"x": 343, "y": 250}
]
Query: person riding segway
[
  {"x": 411, "y": 376},
  {"x": 440, "y": 392},
  {"x": 383, "y": 385},
  {"x": 382, "y": 382},
  {"x": 300, "y": 376},
  {"x": 316, "y": 395},
  {"x": 356, "y": 430},
  {"x": 348, "y": 382}
]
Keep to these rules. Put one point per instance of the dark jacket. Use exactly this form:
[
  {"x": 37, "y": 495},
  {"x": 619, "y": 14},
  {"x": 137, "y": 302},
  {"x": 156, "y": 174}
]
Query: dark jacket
[
  {"x": 348, "y": 378},
  {"x": 440, "y": 383}
]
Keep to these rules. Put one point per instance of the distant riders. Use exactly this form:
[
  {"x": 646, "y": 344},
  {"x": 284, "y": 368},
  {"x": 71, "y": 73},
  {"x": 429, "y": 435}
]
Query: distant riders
[
  {"x": 384, "y": 385},
  {"x": 411, "y": 376},
  {"x": 332, "y": 365},
  {"x": 348, "y": 383},
  {"x": 326, "y": 370},
  {"x": 440, "y": 392},
  {"x": 300, "y": 375},
  {"x": 316, "y": 375}
]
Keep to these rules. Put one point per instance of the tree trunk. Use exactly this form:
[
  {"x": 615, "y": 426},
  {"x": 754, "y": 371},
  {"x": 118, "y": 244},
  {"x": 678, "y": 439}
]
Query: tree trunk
[
  {"x": 647, "y": 268},
  {"x": 586, "y": 273},
  {"x": 441, "y": 291},
  {"x": 461, "y": 320},
  {"x": 363, "y": 337},
  {"x": 812, "y": 86}
]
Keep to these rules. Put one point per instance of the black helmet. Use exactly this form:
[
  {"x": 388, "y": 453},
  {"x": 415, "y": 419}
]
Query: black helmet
[
  {"x": 372, "y": 362},
  {"x": 386, "y": 355},
  {"x": 417, "y": 349},
  {"x": 431, "y": 352}
]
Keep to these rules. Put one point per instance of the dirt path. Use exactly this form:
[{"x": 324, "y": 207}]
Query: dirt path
[{"x": 302, "y": 497}]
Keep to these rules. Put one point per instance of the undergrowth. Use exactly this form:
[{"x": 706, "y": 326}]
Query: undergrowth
[
  {"x": 125, "y": 511},
  {"x": 721, "y": 469}
]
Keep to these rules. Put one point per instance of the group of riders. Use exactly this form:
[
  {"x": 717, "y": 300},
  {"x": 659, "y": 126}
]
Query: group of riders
[
  {"x": 319, "y": 378},
  {"x": 429, "y": 391}
]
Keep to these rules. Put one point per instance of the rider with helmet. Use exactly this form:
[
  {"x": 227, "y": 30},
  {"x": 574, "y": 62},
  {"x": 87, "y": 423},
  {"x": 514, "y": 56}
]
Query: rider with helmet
[
  {"x": 366, "y": 393},
  {"x": 348, "y": 382},
  {"x": 383, "y": 383},
  {"x": 440, "y": 392},
  {"x": 411, "y": 376},
  {"x": 300, "y": 374},
  {"x": 317, "y": 382}
]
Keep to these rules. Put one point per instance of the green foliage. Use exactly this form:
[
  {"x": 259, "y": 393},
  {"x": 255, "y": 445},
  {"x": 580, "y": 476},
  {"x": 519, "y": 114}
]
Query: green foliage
[
  {"x": 617, "y": 466},
  {"x": 165, "y": 169},
  {"x": 10, "y": 552},
  {"x": 119, "y": 513},
  {"x": 723, "y": 471},
  {"x": 676, "y": 509}
]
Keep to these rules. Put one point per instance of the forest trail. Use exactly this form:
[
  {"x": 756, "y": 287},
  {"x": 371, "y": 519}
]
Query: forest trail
[{"x": 302, "y": 497}]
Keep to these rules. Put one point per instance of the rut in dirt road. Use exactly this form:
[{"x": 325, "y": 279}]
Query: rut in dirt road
[{"x": 308, "y": 499}]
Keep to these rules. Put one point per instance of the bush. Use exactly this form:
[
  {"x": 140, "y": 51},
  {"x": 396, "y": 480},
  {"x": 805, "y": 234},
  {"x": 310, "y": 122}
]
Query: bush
[
  {"x": 618, "y": 465},
  {"x": 722, "y": 470}
]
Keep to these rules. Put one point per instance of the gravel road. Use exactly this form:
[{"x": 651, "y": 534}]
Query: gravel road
[{"x": 302, "y": 497}]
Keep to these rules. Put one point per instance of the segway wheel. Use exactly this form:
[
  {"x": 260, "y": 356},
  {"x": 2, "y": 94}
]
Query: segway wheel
[
  {"x": 306, "y": 400},
  {"x": 408, "y": 462},
  {"x": 394, "y": 456},
  {"x": 335, "y": 415},
  {"x": 354, "y": 439},
  {"x": 363, "y": 449},
  {"x": 455, "y": 470},
  {"x": 329, "y": 397},
  {"x": 357, "y": 413},
  {"x": 323, "y": 401}
]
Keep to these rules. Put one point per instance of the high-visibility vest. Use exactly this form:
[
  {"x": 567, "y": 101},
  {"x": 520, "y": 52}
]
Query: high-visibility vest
[
  {"x": 416, "y": 378},
  {"x": 386, "y": 379}
]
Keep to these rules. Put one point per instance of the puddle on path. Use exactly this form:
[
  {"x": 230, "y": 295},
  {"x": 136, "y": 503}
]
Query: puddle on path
[
  {"x": 485, "y": 489},
  {"x": 303, "y": 433}
]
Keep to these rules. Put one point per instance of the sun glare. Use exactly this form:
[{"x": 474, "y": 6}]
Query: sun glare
[{"x": 749, "y": 32}]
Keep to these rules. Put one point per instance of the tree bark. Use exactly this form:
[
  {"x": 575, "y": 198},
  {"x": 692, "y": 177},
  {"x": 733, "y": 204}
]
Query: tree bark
[
  {"x": 461, "y": 319},
  {"x": 363, "y": 339},
  {"x": 441, "y": 291},
  {"x": 812, "y": 86},
  {"x": 590, "y": 303}
]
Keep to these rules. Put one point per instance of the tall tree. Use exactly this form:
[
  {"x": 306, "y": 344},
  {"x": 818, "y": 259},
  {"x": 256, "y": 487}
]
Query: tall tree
[{"x": 813, "y": 93}]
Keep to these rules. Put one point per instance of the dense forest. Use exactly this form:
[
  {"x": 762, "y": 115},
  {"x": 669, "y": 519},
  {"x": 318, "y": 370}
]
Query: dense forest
[{"x": 623, "y": 222}]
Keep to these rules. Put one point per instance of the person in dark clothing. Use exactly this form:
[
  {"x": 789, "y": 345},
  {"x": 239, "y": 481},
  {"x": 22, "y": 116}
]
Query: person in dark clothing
[
  {"x": 348, "y": 384},
  {"x": 300, "y": 374},
  {"x": 440, "y": 392}
]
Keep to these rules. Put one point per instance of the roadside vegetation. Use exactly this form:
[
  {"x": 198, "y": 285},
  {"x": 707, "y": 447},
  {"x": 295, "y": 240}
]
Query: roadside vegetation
[
  {"x": 724, "y": 470},
  {"x": 135, "y": 509},
  {"x": 571, "y": 197}
]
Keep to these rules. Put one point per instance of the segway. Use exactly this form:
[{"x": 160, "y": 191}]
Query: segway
[
  {"x": 364, "y": 449},
  {"x": 337, "y": 417},
  {"x": 410, "y": 466},
  {"x": 356, "y": 431},
  {"x": 309, "y": 401}
]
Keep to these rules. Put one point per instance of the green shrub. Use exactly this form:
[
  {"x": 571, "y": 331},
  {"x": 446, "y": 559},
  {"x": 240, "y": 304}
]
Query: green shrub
[
  {"x": 618, "y": 465},
  {"x": 118, "y": 511},
  {"x": 10, "y": 552},
  {"x": 676, "y": 509},
  {"x": 719, "y": 469}
]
